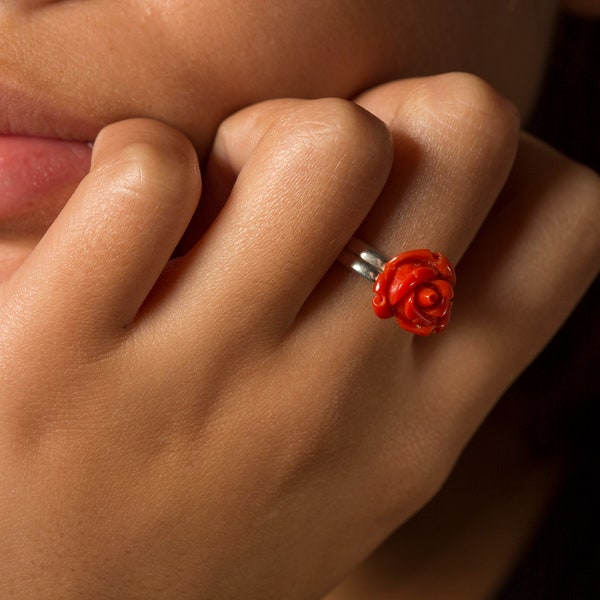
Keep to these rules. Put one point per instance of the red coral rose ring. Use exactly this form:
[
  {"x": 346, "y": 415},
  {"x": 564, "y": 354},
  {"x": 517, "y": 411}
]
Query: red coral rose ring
[{"x": 416, "y": 287}]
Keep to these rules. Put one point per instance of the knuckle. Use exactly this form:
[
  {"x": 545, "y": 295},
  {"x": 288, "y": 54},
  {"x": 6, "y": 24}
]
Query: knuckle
[
  {"x": 470, "y": 98},
  {"x": 571, "y": 188},
  {"x": 580, "y": 219},
  {"x": 340, "y": 129},
  {"x": 587, "y": 185},
  {"x": 147, "y": 156},
  {"x": 328, "y": 130},
  {"x": 427, "y": 463},
  {"x": 467, "y": 109}
]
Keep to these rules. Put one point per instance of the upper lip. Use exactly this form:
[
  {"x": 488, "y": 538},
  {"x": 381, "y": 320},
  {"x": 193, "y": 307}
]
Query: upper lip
[{"x": 27, "y": 112}]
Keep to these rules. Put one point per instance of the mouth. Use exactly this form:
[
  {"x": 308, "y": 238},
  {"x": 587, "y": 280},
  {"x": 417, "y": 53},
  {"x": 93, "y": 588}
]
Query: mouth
[
  {"x": 45, "y": 151},
  {"x": 32, "y": 113},
  {"x": 37, "y": 173}
]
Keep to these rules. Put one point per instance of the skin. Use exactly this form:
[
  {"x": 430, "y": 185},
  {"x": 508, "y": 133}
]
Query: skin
[
  {"x": 133, "y": 463},
  {"x": 104, "y": 60},
  {"x": 104, "y": 63}
]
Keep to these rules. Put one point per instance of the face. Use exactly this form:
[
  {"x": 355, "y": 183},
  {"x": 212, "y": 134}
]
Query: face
[{"x": 69, "y": 67}]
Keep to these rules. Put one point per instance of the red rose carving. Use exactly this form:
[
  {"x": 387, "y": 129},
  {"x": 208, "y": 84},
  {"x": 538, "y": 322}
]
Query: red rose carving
[{"x": 416, "y": 287}]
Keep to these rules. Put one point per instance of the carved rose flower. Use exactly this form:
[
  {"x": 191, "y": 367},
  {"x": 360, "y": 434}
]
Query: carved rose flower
[{"x": 416, "y": 287}]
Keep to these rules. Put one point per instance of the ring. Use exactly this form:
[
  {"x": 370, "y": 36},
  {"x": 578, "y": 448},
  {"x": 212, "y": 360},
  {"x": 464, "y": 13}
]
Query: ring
[{"x": 416, "y": 287}]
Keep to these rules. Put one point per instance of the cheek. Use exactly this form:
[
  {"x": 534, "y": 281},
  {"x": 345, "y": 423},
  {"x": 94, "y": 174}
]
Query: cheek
[
  {"x": 243, "y": 52},
  {"x": 193, "y": 62},
  {"x": 216, "y": 58}
]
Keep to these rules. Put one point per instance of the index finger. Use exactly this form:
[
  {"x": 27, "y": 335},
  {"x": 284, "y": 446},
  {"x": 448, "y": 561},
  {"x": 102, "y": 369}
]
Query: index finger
[{"x": 96, "y": 264}]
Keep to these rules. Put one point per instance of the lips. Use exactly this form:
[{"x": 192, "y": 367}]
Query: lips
[
  {"x": 44, "y": 154},
  {"x": 36, "y": 174}
]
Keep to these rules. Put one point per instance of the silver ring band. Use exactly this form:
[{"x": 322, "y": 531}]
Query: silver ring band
[{"x": 363, "y": 259}]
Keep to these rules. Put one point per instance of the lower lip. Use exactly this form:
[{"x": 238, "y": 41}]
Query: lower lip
[{"x": 37, "y": 171}]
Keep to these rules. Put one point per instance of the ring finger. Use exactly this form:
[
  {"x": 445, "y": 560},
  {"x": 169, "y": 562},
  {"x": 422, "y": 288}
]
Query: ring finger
[{"x": 454, "y": 144}]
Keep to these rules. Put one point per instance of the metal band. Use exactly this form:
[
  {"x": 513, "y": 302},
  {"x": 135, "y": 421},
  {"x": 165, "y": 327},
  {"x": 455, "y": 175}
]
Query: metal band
[{"x": 363, "y": 259}]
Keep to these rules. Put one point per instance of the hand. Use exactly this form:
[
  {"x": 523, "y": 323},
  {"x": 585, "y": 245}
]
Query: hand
[{"x": 236, "y": 423}]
